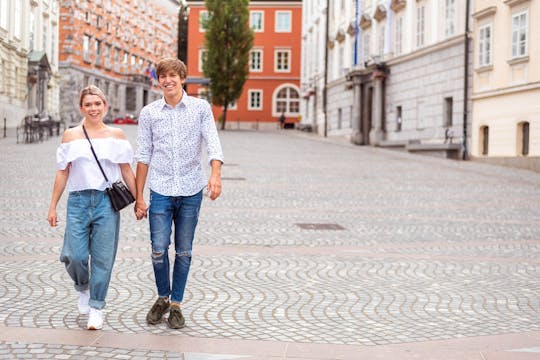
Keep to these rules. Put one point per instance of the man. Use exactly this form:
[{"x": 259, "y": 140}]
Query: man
[{"x": 170, "y": 138}]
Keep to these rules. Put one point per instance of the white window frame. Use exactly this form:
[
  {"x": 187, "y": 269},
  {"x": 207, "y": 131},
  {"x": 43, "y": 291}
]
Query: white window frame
[
  {"x": 260, "y": 55},
  {"x": 278, "y": 28},
  {"x": 86, "y": 48},
  {"x": 4, "y": 5},
  {"x": 449, "y": 17},
  {"x": 17, "y": 19},
  {"x": 202, "y": 15},
  {"x": 515, "y": 42},
  {"x": 233, "y": 106},
  {"x": 366, "y": 48},
  {"x": 485, "y": 45},
  {"x": 420, "y": 25},
  {"x": 277, "y": 53},
  {"x": 398, "y": 40},
  {"x": 252, "y": 92},
  {"x": 253, "y": 12},
  {"x": 288, "y": 100},
  {"x": 202, "y": 93},
  {"x": 201, "y": 59}
]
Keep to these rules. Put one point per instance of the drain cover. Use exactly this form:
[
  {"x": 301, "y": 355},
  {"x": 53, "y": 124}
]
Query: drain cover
[
  {"x": 320, "y": 226},
  {"x": 234, "y": 178}
]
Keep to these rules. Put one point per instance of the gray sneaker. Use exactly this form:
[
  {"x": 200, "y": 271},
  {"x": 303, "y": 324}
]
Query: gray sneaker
[
  {"x": 160, "y": 307},
  {"x": 176, "y": 319}
]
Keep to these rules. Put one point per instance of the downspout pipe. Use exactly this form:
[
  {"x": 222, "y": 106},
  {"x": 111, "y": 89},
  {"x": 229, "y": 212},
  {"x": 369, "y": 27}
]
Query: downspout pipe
[
  {"x": 465, "y": 155},
  {"x": 325, "y": 89}
]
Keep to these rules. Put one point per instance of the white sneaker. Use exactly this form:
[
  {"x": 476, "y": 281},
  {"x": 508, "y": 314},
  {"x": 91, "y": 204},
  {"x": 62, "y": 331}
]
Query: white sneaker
[
  {"x": 84, "y": 297},
  {"x": 95, "y": 319}
]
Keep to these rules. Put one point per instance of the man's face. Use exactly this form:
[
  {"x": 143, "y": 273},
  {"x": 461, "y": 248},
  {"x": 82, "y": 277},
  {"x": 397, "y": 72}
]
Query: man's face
[{"x": 170, "y": 83}]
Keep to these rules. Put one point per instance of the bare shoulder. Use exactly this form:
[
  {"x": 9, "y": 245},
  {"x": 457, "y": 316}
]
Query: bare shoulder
[
  {"x": 117, "y": 133},
  {"x": 71, "y": 134}
]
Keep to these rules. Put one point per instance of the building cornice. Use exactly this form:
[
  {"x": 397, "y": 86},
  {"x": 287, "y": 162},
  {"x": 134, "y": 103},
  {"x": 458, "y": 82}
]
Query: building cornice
[
  {"x": 426, "y": 50},
  {"x": 512, "y": 3},
  {"x": 489, "y": 11},
  {"x": 506, "y": 91}
]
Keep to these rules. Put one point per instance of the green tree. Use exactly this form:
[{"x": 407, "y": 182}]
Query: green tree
[{"x": 228, "y": 40}]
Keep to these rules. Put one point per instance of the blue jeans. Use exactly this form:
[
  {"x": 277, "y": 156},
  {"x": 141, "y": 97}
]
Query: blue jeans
[
  {"x": 92, "y": 228},
  {"x": 184, "y": 211}
]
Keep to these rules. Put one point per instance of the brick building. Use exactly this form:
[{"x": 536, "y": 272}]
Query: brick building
[
  {"x": 273, "y": 83},
  {"x": 114, "y": 45}
]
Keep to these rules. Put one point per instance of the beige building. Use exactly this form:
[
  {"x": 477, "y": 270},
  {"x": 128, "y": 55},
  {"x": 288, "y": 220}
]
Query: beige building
[
  {"x": 29, "y": 59},
  {"x": 506, "y": 85}
]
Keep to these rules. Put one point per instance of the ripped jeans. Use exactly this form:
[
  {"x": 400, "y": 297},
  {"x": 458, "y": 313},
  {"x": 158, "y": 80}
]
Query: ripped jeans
[{"x": 184, "y": 211}]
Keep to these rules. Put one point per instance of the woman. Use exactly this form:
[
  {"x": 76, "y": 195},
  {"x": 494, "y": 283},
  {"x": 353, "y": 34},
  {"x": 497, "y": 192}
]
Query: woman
[{"x": 91, "y": 223}]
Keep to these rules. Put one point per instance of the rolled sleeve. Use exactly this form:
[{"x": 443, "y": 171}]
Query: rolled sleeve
[{"x": 210, "y": 135}]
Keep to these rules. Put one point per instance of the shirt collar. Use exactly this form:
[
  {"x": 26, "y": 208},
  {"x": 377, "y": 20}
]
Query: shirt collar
[{"x": 184, "y": 101}]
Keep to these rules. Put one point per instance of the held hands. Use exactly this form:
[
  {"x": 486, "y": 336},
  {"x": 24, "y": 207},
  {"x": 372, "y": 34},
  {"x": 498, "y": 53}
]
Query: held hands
[{"x": 140, "y": 209}]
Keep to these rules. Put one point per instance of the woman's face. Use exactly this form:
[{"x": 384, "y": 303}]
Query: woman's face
[{"x": 93, "y": 108}]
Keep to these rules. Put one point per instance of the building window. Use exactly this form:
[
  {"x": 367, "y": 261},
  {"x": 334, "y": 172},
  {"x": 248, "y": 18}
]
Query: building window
[
  {"x": 87, "y": 17},
  {"x": 523, "y": 138},
  {"x": 17, "y": 18},
  {"x": 256, "y": 21},
  {"x": 420, "y": 25},
  {"x": 4, "y": 5},
  {"x": 448, "y": 111},
  {"x": 519, "y": 34},
  {"x": 255, "y": 99},
  {"x": 484, "y": 140},
  {"x": 99, "y": 21},
  {"x": 287, "y": 101},
  {"x": 399, "y": 35},
  {"x": 86, "y": 48},
  {"x": 366, "y": 43},
  {"x": 399, "y": 118},
  {"x": 283, "y": 21},
  {"x": 32, "y": 30},
  {"x": 203, "y": 55},
  {"x": 255, "y": 60},
  {"x": 282, "y": 61},
  {"x": 202, "y": 93},
  {"x": 484, "y": 45},
  {"x": 203, "y": 17},
  {"x": 381, "y": 38},
  {"x": 449, "y": 17},
  {"x": 97, "y": 52}
]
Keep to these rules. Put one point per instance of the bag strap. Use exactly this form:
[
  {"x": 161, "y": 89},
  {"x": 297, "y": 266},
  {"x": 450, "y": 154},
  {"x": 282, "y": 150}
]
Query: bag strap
[{"x": 93, "y": 152}]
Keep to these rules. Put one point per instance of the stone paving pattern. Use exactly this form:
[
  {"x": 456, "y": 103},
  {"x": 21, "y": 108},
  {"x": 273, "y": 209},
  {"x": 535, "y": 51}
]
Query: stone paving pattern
[{"x": 431, "y": 249}]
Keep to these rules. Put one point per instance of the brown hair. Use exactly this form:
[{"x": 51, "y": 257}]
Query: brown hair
[
  {"x": 171, "y": 64},
  {"x": 92, "y": 90}
]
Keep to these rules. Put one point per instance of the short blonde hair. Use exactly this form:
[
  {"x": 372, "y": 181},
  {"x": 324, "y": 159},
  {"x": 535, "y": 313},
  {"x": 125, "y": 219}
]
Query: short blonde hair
[
  {"x": 92, "y": 90},
  {"x": 171, "y": 64}
]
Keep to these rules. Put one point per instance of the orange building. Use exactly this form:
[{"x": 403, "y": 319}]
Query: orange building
[
  {"x": 273, "y": 84},
  {"x": 114, "y": 45}
]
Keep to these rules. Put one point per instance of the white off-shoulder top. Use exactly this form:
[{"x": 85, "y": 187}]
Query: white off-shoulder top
[{"x": 84, "y": 173}]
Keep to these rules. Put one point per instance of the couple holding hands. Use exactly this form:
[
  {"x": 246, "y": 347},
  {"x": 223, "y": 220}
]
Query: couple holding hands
[{"x": 170, "y": 137}]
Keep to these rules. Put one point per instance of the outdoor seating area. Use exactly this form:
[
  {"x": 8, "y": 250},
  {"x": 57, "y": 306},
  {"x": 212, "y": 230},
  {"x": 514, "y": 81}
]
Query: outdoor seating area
[{"x": 34, "y": 129}]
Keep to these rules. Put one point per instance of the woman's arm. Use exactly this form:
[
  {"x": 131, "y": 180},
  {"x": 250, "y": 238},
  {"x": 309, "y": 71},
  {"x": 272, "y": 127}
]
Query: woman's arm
[
  {"x": 60, "y": 182},
  {"x": 129, "y": 178}
]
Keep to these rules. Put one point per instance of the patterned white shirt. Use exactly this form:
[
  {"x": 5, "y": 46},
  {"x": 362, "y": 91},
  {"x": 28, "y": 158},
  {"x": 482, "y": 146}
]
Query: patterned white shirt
[{"x": 170, "y": 141}]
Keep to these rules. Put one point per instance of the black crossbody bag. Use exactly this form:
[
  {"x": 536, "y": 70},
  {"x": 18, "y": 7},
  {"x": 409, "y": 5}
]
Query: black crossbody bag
[{"x": 118, "y": 192}]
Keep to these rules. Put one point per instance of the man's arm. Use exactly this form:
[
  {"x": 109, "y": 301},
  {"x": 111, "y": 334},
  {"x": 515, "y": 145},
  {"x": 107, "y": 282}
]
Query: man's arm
[
  {"x": 140, "y": 181},
  {"x": 214, "y": 183}
]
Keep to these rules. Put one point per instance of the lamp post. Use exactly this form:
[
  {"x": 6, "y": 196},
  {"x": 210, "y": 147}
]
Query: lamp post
[{"x": 183, "y": 16}]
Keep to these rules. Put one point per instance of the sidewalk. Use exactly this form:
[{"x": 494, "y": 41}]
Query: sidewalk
[{"x": 317, "y": 250}]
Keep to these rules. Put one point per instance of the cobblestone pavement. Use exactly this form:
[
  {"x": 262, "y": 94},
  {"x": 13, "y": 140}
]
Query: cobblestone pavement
[{"x": 313, "y": 242}]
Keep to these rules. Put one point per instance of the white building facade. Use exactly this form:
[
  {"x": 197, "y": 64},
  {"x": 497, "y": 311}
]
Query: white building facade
[
  {"x": 313, "y": 64},
  {"x": 506, "y": 110},
  {"x": 396, "y": 73},
  {"x": 29, "y": 59}
]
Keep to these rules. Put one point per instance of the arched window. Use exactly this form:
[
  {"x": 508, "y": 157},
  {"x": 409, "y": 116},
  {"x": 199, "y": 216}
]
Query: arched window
[
  {"x": 286, "y": 100},
  {"x": 523, "y": 138},
  {"x": 484, "y": 140}
]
